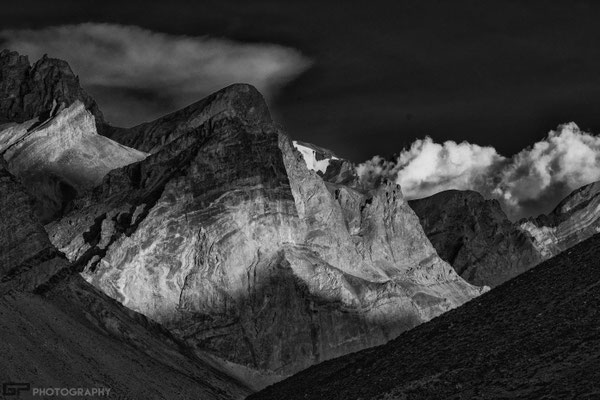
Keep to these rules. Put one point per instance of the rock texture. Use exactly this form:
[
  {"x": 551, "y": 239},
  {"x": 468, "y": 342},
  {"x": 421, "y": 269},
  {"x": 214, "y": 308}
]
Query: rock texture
[
  {"x": 227, "y": 238},
  {"x": 475, "y": 236},
  {"x": 61, "y": 157},
  {"x": 534, "y": 337},
  {"x": 576, "y": 218},
  {"x": 59, "y": 331},
  {"x": 28, "y": 92}
]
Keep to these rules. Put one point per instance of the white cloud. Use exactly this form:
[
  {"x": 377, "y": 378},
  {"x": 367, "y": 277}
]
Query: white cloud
[
  {"x": 176, "y": 69},
  {"x": 531, "y": 182}
]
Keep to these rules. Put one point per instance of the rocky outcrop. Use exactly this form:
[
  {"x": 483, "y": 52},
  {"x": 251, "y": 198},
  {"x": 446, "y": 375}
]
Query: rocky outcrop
[
  {"x": 28, "y": 92},
  {"x": 476, "y": 237},
  {"x": 534, "y": 337},
  {"x": 575, "y": 219},
  {"x": 59, "y": 158},
  {"x": 59, "y": 331},
  {"x": 226, "y": 237}
]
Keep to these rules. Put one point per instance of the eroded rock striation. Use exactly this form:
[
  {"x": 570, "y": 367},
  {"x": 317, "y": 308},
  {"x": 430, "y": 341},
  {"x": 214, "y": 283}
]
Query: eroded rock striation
[
  {"x": 575, "y": 219},
  {"x": 59, "y": 331},
  {"x": 225, "y": 236},
  {"x": 59, "y": 158},
  {"x": 476, "y": 237}
]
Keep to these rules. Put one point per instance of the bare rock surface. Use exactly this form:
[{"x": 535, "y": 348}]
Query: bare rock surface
[
  {"x": 28, "y": 92},
  {"x": 59, "y": 331},
  {"x": 61, "y": 157},
  {"x": 224, "y": 236},
  {"x": 476, "y": 237},
  {"x": 575, "y": 218},
  {"x": 533, "y": 337}
]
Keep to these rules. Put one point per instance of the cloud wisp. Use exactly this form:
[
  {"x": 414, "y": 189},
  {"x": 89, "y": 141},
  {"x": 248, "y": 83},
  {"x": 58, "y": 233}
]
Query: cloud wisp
[
  {"x": 137, "y": 74},
  {"x": 527, "y": 184}
]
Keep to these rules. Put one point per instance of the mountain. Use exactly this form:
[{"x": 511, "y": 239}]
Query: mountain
[
  {"x": 575, "y": 218},
  {"x": 535, "y": 336},
  {"x": 28, "y": 92},
  {"x": 224, "y": 236},
  {"x": 49, "y": 133},
  {"x": 61, "y": 157},
  {"x": 476, "y": 237},
  {"x": 59, "y": 331}
]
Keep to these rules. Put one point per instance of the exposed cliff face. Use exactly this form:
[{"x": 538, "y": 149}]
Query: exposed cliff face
[
  {"x": 225, "y": 236},
  {"x": 575, "y": 219},
  {"x": 59, "y": 158},
  {"x": 476, "y": 237},
  {"x": 27, "y": 92},
  {"x": 59, "y": 331},
  {"x": 534, "y": 337}
]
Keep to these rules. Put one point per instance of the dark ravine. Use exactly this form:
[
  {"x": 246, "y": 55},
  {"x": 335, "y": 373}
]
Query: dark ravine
[{"x": 535, "y": 336}]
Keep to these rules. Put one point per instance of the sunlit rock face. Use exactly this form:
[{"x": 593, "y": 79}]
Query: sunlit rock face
[
  {"x": 28, "y": 92},
  {"x": 59, "y": 158},
  {"x": 227, "y": 238},
  {"x": 575, "y": 219},
  {"x": 475, "y": 236}
]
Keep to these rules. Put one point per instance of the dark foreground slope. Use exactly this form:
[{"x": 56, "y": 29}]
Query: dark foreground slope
[
  {"x": 58, "y": 331},
  {"x": 536, "y": 336}
]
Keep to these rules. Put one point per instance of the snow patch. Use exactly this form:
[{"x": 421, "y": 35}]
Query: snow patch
[{"x": 310, "y": 158}]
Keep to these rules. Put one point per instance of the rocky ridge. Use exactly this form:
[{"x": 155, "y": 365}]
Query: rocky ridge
[
  {"x": 535, "y": 336},
  {"x": 224, "y": 236}
]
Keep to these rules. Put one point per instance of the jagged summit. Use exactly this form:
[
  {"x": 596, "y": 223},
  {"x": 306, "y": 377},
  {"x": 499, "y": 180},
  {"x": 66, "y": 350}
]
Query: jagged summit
[
  {"x": 239, "y": 100},
  {"x": 27, "y": 91}
]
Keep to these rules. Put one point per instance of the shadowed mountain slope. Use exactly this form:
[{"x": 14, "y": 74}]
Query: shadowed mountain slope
[
  {"x": 475, "y": 236},
  {"x": 486, "y": 248},
  {"x": 536, "y": 336}
]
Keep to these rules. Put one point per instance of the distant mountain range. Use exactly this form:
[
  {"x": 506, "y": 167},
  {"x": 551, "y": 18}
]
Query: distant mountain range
[{"x": 210, "y": 246}]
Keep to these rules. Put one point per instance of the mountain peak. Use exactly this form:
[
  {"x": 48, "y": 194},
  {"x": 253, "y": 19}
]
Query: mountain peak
[
  {"x": 28, "y": 91},
  {"x": 240, "y": 100}
]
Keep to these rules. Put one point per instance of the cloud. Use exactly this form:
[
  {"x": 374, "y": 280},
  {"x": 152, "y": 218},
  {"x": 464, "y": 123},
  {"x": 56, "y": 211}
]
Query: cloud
[
  {"x": 529, "y": 183},
  {"x": 125, "y": 66}
]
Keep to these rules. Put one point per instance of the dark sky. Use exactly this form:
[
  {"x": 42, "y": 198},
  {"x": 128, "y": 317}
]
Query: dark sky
[{"x": 499, "y": 73}]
